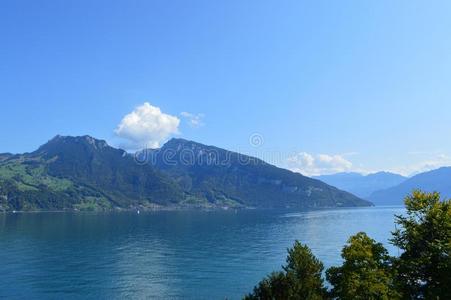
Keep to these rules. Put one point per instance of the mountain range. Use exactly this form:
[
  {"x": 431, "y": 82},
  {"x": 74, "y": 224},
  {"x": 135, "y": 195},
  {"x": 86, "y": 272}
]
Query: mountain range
[
  {"x": 84, "y": 173},
  {"x": 384, "y": 188},
  {"x": 362, "y": 185},
  {"x": 438, "y": 180}
]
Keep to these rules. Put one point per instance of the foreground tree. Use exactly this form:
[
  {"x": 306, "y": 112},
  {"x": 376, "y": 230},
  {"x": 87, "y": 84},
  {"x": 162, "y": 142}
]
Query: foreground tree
[
  {"x": 424, "y": 266},
  {"x": 423, "y": 270},
  {"x": 365, "y": 273},
  {"x": 300, "y": 278}
]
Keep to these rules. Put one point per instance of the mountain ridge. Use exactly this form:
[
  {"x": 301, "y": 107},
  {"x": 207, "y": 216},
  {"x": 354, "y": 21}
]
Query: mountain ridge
[
  {"x": 362, "y": 185},
  {"x": 435, "y": 180},
  {"x": 207, "y": 166},
  {"x": 86, "y": 173}
]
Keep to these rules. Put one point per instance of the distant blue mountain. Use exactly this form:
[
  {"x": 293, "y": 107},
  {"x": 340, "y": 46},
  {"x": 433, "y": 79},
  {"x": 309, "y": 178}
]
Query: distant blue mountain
[
  {"x": 362, "y": 185},
  {"x": 436, "y": 180}
]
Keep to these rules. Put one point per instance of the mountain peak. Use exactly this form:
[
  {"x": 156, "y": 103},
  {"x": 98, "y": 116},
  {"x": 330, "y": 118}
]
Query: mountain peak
[
  {"x": 429, "y": 181},
  {"x": 175, "y": 141},
  {"x": 386, "y": 173},
  {"x": 182, "y": 141},
  {"x": 179, "y": 144},
  {"x": 362, "y": 185},
  {"x": 96, "y": 143},
  {"x": 63, "y": 143}
]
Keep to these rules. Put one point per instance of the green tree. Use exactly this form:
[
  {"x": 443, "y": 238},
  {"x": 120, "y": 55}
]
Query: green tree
[
  {"x": 365, "y": 273},
  {"x": 274, "y": 286},
  {"x": 422, "y": 271},
  {"x": 300, "y": 278},
  {"x": 424, "y": 236}
]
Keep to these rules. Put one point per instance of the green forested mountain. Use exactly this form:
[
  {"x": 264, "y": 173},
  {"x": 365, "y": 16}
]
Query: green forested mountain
[
  {"x": 86, "y": 173},
  {"x": 4, "y": 156},
  {"x": 216, "y": 174},
  {"x": 81, "y": 172}
]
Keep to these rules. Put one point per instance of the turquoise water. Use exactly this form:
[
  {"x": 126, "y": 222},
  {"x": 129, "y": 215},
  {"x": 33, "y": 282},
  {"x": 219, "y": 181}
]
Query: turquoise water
[{"x": 175, "y": 255}]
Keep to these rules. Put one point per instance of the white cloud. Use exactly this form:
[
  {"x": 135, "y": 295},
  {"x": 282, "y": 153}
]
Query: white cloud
[
  {"x": 146, "y": 126},
  {"x": 324, "y": 164},
  {"x": 194, "y": 120},
  {"x": 439, "y": 160},
  {"x": 320, "y": 164}
]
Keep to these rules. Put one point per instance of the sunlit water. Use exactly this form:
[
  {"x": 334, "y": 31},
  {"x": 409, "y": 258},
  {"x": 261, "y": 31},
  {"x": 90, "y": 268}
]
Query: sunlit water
[{"x": 175, "y": 255}]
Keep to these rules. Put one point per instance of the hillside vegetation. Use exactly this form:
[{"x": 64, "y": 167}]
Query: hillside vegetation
[{"x": 70, "y": 173}]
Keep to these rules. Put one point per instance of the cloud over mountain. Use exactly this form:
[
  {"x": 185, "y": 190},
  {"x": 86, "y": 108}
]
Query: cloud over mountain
[
  {"x": 194, "y": 120},
  {"x": 310, "y": 164},
  {"x": 146, "y": 127},
  {"x": 430, "y": 162}
]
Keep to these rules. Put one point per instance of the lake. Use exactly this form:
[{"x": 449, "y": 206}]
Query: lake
[{"x": 168, "y": 254}]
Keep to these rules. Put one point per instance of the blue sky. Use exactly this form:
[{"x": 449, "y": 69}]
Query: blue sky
[{"x": 325, "y": 85}]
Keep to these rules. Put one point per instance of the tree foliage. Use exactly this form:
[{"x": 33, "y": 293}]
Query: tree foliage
[
  {"x": 366, "y": 271},
  {"x": 424, "y": 236},
  {"x": 422, "y": 271},
  {"x": 300, "y": 278}
]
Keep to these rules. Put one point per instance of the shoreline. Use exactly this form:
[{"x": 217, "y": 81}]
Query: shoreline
[{"x": 191, "y": 208}]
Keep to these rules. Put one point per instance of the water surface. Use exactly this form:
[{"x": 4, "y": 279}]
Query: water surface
[{"x": 175, "y": 255}]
